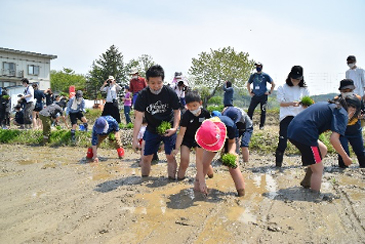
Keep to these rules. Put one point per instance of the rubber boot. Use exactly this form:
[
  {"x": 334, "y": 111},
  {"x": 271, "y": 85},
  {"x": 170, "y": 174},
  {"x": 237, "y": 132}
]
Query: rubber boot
[
  {"x": 89, "y": 154},
  {"x": 73, "y": 137},
  {"x": 120, "y": 152},
  {"x": 306, "y": 182},
  {"x": 85, "y": 126},
  {"x": 279, "y": 158},
  {"x": 361, "y": 160},
  {"x": 45, "y": 140}
]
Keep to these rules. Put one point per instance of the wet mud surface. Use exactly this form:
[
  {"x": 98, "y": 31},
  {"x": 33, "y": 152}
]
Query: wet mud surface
[{"x": 51, "y": 195}]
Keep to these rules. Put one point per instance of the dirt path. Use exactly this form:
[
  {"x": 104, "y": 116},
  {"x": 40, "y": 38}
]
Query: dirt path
[{"x": 49, "y": 195}]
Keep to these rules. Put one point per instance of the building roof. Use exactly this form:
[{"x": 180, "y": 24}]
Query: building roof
[{"x": 50, "y": 56}]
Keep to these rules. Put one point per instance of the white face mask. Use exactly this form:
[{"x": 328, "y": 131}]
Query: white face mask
[
  {"x": 345, "y": 94},
  {"x": 156, "y": 92},
  {"x": 135, "y": 77},
  {"x": 351, "y": 65},
  {"x": 195, "y": 112}
]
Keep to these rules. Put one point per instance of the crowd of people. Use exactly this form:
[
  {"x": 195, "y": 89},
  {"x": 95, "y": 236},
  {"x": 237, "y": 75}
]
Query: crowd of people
[{"x": 228, "y": 131}]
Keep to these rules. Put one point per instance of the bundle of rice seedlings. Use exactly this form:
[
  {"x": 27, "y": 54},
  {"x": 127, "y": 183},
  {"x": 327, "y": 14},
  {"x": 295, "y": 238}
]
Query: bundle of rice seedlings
[
  {"x": 163, "y": 127},
  {"x": 229, "y": 160},
  {"x": 306, "y": 101}
]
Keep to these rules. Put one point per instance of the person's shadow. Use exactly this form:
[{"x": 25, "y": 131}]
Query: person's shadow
[
  {"x": 301, "y": 194},
  {"x": 152, "y": 182}
]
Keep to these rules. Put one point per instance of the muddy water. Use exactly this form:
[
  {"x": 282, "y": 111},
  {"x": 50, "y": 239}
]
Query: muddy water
[{"x": 51, "y": 195}]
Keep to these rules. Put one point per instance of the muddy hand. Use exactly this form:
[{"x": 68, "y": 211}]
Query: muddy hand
[
  {"x": 347, "y": 161},
  {"x": 203, "y": 188},
  {"x": 174, "y": 152},
  {"x": 136, "y": 146},
  {"x": 170, "y": 132}
]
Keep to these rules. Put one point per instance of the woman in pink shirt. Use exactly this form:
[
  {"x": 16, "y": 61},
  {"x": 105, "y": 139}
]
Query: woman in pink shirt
[{"x": 127, "y": 104}]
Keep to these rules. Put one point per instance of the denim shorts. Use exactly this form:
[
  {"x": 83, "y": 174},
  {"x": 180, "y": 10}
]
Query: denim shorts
[{"x": 153, "y": 142}]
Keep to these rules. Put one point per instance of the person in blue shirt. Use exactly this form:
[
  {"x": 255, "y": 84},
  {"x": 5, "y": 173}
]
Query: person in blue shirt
[
  {"x": 103, "y": 126},
  {"x": 305, "y": 128},
  {"x": 259, "y": 92},
  {"x": 228, "y": 94}
]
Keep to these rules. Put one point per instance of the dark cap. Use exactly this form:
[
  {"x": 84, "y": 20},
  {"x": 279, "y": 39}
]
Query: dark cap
[
  {"x": 296, "y": 72},
  {"x": 351, "y": 58},
  {"x": 346, "y": 84},
  {"x": 126, "y": 87},
  {"x": 233, "y": 113}
]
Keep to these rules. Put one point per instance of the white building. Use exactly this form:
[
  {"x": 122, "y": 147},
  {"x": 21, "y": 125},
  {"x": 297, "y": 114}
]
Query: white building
[{"x": 16, "y": 65}]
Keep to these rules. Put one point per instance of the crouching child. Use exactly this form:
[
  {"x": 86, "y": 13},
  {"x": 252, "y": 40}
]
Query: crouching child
[
  {"x": 47, "y": 116},
  {"x": 211, "y": 136},
  {"x": 305, "y": 129},
  {"x": 103, "y": 126}
]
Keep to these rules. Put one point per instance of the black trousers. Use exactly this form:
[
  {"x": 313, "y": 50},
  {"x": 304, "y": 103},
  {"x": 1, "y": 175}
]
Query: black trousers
[
  {"x": 112, "y": 109},
  {"x": 283, "y": 133},
  {"x": 255, "y": 100}
]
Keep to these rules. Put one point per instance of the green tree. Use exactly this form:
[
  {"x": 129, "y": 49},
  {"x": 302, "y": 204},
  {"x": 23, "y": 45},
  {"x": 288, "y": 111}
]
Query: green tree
[
  {"x": 62, "y": 80},
  {"x": 211, "y": 69},
  {"x": 142, "y": 63},
  {"x": 109, "y": 63}
]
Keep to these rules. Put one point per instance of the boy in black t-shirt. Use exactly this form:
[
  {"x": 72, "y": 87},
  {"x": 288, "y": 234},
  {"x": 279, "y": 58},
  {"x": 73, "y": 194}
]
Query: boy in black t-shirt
[
  {"x": 190, "y": 122},
  {"x": 157, "y": 103}
]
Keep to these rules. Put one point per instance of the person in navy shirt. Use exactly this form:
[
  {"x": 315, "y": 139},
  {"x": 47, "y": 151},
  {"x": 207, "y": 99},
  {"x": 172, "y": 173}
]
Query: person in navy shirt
[
  {"x": 305, "y": 128},
  {"x": 259, "y": 92}
]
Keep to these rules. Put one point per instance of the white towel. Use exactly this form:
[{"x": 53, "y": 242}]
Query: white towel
[{"x": 75, "y": 103}]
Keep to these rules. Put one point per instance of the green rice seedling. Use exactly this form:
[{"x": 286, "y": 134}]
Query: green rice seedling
[
  {"x": 229, "y": 160},
  {"x": 163, "y": 127},
  {"x": 306, "y": 101},
  {"x": 130, "y": 125}
]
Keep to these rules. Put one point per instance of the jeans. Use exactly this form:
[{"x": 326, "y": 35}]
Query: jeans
[
  {"x": 127, "y": 110},
  {"x": 255, "y": 100}
]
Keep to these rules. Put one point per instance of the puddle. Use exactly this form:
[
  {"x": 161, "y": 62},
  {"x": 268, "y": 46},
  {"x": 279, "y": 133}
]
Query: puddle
[
  {"x": 257, "y": 180},
  {"x": 271, "y": 186},
  {"x": 241, "y": 214},
  {"x": 27, "y": 162},
  {"x": 38, "y": 193}
]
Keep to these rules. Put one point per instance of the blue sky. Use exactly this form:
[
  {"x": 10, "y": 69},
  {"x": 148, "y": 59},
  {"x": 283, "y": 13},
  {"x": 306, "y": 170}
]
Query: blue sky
[{"x": 318, "y": 35}]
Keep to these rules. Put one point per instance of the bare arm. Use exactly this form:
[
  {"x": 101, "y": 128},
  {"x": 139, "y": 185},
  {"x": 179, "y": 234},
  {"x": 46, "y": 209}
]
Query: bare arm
[
  {"x": 232, "y": 146},
  {"x": 335, "y": 141},
  {"x": 288, "y": 104},
  {"x": 249, "y": 87},
  {"x": 173, "y": 130},
  {"x": 179, "y": 140}
]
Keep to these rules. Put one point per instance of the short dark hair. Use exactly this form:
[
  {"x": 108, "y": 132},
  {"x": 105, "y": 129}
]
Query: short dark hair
[
  {"x": 192, "y": 96},
  {"x": 301, "y": 83},
  {"x": 229, "y": 84},
  {"x": 351, "y": 58},
  {"x": 25, "y": 80},
  {"x": 155, "y": 71}
]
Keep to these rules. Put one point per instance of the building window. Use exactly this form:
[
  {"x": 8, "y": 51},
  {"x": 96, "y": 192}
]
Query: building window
[
  {"x": 8, "y": 83},
  {"x": 9, "y": 69},
  {"x": 33, "y": 70}
]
